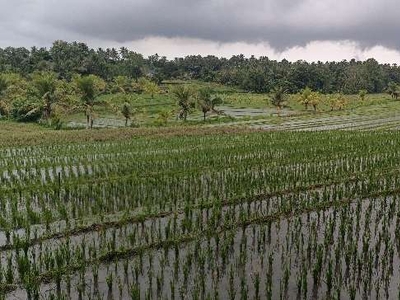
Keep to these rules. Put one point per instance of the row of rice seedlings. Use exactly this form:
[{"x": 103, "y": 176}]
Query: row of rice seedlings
[
  {"x": 96, "y": 151},
  {"x": 154, "y": 234},
  {"x": 204, "y": 194},
  {"x": 222, "y": 184},
  {"x": 335, "y": 253},
  {"x": 66, "y": 209}
]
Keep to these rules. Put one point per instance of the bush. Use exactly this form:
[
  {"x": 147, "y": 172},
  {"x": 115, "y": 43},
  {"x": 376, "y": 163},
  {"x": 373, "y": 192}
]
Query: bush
[{"x": 26, "y": 110}]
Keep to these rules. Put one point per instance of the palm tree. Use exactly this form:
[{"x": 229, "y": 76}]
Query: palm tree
[
  {"x": 393, "y": 90},
  {"x": 341, "y": 101},
  {"x": 305, "y": 97},
  {"x": 151, "y": 88},
  {"x": 3, "y": 104},
  {"x": 126, "y": 112},
  {"x": 121, "y": 84},
  {"x": 207, "y": 101},
  {"x": 13, "y": 87},
  {"x": 34, "y": 99},
  {"x": 46, "y": 88},
  {"x": 278, "y": 97},
  {"x": 3, "y": 85},
  {"x": 163, "y": 117},
  {"x": 315, "y": 100},
  {"x": 362, "y": 94},
  {"x": 183, "y": 95},
  {"x": 89, "y": 87}
]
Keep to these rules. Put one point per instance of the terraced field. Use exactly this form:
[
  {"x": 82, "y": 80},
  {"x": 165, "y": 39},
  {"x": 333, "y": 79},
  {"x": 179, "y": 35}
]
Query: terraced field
[
  {"x": 344, "y": 122},
  {"x": 361, "y": 118},
  {"x": 258, "y": 215}
]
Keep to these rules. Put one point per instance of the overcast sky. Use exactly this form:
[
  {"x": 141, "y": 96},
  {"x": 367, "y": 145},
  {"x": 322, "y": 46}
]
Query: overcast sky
[{"x": 293, "y": 29}]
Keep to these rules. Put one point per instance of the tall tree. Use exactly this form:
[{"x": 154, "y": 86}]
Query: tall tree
[
  {"x": 126, "y": 112},
  {"x": 362, "y": 94},
  {"x": 305, "y": 97},
  {"x": 207, "y": 101},
  {"x": 315, "y": 100},
  {"x": 278, "y": 97},
  {"x": 46, "y": 87},
  {"x": 336, "y": 101},
  {"x": 89, "y": 87},
  {"x": 149, "y": 87},
  {"x": 393, "y": 90},
  {"x": 121, "y": 84},
  {"x": 184, "y": 96},
  {"x": 132, "y": 64},
  {"x": 3, "y": 104}
]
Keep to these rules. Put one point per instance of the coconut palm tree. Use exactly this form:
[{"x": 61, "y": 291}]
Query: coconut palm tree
[
  {"x": 341, "y": 101},
  {"x": 315, "y": 100},
  {"x": 184, "y": 96},
  {"x": 336, "y": 101},
  {"x": 46, "y": 86},
  {"x": 89, "y": 88},
  {"x": 305, "y": 97},
  {"x": 34, "y": 99},
  {"x": 3, "y": 103},
  {"x": 278, "y": 97},
  {"x": 3, "y": 85},
  {"x": 121, "y": 84},
  {"x": 207, "y": 101},
  {"x": 126, "y": 112},
  {"x": 393, "y": 90},
  {"x": 163, "y": 117},
  {"x": 362, "y": 94},
  {"x": 151, "y": 88},
  {"x": 13, "y": 87}
]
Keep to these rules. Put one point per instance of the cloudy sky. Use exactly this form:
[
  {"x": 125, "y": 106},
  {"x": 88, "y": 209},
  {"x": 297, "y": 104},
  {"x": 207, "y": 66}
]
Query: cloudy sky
[{"x": 293, "y": 29}]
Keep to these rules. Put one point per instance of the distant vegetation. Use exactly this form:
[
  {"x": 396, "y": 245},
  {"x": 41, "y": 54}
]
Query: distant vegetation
[
  {"x": 250, "y": 74},
  {"x": 42, "y": 85}
]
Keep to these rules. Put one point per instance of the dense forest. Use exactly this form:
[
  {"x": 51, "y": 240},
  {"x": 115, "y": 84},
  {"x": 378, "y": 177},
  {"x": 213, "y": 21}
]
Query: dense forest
[{"x": 251, "y": 74}]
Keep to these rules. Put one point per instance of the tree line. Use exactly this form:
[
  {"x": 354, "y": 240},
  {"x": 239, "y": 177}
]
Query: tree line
[{"x": 252, "y": 74}]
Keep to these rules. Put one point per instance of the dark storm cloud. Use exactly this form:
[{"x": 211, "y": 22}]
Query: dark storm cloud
[{"x": 281, "y": 23}]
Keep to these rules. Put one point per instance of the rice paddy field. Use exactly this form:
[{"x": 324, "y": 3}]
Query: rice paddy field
[
  {"x": 199, "y": 213},
  {"x": 377, "y": 111}
]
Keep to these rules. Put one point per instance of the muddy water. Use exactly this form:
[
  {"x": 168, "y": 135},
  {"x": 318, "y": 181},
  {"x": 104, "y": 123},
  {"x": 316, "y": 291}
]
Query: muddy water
[
  {"x": 202, "y": 268},
  {"x": 153, "y": 229}
]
